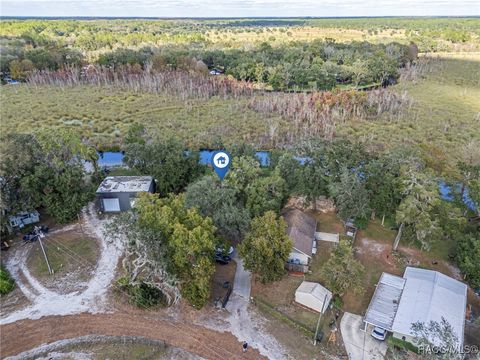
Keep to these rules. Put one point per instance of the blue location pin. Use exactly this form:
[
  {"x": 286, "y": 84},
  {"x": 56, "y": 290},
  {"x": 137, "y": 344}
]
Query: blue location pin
[{"x": 221, "y": 163}]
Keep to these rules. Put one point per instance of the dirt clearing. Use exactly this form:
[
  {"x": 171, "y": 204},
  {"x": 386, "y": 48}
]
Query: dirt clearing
[{"x": 28, "y": 334}]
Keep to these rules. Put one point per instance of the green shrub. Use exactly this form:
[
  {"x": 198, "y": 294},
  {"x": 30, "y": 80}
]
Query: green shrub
[
  {"x": 361, "y": 223},
  {"x": 6, "y": 282},
  {"x": 337, "y": 302},
  {"x": 401, "y": 344},
  {"x": 142, "y": 295}
]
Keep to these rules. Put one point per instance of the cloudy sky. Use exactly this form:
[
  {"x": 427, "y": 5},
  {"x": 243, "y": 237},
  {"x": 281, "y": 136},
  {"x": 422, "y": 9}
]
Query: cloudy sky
[{"x": 237, "y": 8}]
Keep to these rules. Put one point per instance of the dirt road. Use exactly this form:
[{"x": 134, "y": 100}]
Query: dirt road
[{"x": 27, "y": 334}]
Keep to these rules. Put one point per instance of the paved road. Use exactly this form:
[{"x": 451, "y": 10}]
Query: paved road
[
  {"x": 243, "y": 280},
  {"x": 359, "y": 344}
]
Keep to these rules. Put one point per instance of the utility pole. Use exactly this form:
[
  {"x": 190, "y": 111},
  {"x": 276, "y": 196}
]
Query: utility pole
[
  {"x": 40, "y": 236},
  {"x": 397, "y": 238},
  {"x": 318, "y": 322}
]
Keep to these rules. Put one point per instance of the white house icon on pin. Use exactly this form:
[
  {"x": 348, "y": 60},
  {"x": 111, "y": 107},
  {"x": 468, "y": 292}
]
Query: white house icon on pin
[{"x": 221, "y": 160}]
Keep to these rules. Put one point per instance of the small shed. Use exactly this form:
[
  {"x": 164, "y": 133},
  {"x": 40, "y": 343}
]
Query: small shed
[
  {"x": 313, "y": 296},
  {"x": 350, "y": 229},
  {"x": 118, "y": 193}
]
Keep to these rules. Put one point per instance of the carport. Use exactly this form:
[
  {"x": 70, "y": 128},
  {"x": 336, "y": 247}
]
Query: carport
[{"x": 384, "y": 304}]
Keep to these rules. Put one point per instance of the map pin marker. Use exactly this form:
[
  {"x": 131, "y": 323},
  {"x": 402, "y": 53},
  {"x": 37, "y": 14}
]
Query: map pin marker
[{"x": 221, "y": 163}]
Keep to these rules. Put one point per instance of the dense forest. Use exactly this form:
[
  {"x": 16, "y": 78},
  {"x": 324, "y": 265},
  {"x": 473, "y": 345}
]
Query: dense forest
[{"x": 271, "y": 52}]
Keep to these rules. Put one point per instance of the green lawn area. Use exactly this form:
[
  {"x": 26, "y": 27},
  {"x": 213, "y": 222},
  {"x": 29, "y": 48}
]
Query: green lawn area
[
  {"x": 66, "y": 252},
  {"x": 375, "y": 230},
  {"x": 328, "y": 222}
]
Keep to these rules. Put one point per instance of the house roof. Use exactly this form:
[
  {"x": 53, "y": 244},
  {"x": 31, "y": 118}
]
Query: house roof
[
  {"x": 316, "y": 290},
  {"x": 428, "y": 296},
  {"x": 385, "y": 301},
  {"x": 119, "y": 184},
  {"x": 301, "y": 229}
]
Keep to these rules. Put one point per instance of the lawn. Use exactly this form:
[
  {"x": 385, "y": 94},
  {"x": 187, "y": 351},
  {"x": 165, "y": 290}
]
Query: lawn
[
  {"x": 375, "y": 230},
  {"x": 70, "y": 254},
  {"x": 328, "y": 222}
]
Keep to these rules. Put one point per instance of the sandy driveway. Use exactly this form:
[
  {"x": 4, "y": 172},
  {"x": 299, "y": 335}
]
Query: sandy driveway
[
  {"x": 53, "y": 316},
  {"x": 244, "y": 322},
  {"x": 46, "y": 302},
  {"x": 359, "y": 344}
]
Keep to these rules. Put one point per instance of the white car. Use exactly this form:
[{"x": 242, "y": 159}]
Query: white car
[
  {"x": 379, "y": 333},
  {"x": 222, "y": 250}
]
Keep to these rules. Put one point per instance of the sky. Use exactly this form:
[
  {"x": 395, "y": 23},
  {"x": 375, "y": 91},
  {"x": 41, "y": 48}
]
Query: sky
[{"x": 238, "y": 8}]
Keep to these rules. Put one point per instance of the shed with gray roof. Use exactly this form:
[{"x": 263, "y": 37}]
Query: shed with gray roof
[{"x": 118, "y": 193}]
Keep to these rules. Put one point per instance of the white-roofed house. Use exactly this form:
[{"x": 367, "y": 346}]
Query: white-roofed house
[
  {"x": 313, "y": 296},
  {"x": 428, "y": 296},
  {"x": 118, "y": 193},
  {"x": 420, "y": 296}
]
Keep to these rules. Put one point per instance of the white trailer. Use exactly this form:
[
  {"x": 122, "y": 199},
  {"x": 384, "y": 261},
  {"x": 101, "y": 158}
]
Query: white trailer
[{"x": 23, "y": 218}]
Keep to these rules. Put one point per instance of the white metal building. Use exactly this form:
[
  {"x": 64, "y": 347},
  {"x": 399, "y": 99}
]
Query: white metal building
[
  {"x": 420, "y": 296},
  {"x": 428, "y": 296},
  {"x": 118, "y": 193},
  {"x": 313, "y": 296}
]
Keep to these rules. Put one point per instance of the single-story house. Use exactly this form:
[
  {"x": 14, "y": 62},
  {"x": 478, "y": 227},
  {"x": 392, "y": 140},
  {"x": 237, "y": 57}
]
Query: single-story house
[
  {"x": 118, "y": 193},
  {"x": 313, "y": 296},
  {"x": 301, "y": 229},
  {"x": 420, "y": 296}
]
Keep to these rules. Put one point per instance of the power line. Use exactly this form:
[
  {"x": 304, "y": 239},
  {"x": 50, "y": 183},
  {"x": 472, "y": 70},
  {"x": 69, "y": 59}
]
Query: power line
[{"x": 84, "y": 262}]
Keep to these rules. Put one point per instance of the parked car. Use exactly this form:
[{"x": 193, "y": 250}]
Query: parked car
[
  {"x": 222, "y": 250},
  {"x": 379, "y": 333},
  {"x": 222, "y": 259},
  {"x": 12, "y": 82}
]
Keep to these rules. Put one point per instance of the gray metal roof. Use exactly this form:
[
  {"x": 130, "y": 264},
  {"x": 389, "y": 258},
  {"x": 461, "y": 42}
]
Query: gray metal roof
[
  {"x": 428, "y": 296},
  {"x": 301, "y": 229},
  {"x": 118, "y": 184},
  {"x": 385, "y": 301}
]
